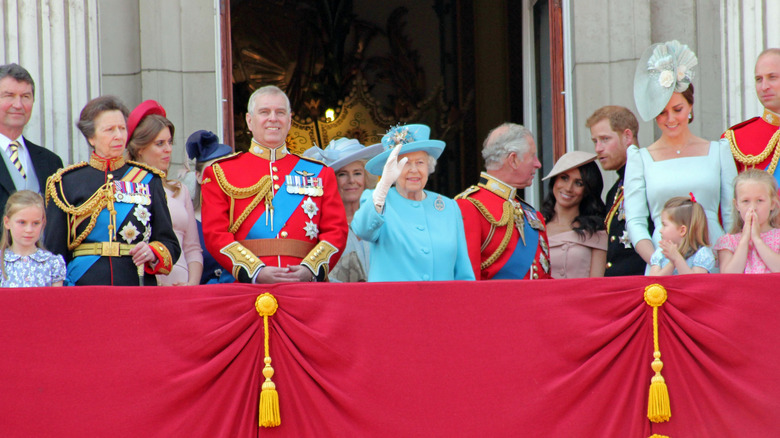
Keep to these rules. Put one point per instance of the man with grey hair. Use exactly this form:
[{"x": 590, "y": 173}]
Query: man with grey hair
[
  {"x": 506, "y": 237},
  {"x": 27, "y": 165},
  {"x": 270, "y": 216}
]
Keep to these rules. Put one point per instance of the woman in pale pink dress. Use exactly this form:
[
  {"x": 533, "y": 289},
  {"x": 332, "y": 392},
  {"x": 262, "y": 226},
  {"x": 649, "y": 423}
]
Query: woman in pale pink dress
[{"x": 574, "y": 213}]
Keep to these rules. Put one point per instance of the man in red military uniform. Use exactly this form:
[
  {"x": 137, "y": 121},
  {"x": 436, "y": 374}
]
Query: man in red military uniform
[
  {"x": 754, "y": 142},
  {"x": 506, "y": 237},
  {"x": 270, "y": 216}
]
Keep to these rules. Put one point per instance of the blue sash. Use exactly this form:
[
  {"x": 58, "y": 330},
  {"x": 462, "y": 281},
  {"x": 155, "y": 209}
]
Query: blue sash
[
  {"x": 284, "y": 205},
  {"x": 522, "y": 257},
  {"x": 80, "y": 265}
]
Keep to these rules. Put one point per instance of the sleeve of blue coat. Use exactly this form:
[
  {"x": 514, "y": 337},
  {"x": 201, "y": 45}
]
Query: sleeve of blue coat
[
  {"x": 367, "y": 223},
  {"x": 635, "y": 193},
  {"x": 463, "y": 268}
]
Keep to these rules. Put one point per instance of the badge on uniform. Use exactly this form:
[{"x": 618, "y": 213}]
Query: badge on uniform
[
  {"x": 132, "y": 193},
  {"x": 517, "y": 211},
  {"x": 304, "y": 184},
  {"x": 545, "y": 248},
  {"x": 545, "y": 262},
  {"x": 310, "y": 207}
]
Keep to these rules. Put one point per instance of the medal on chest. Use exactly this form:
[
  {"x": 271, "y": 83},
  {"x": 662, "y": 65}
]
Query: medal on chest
[
  {"x": 132, "y": 193},
  {"x": 304, "y": 183}
]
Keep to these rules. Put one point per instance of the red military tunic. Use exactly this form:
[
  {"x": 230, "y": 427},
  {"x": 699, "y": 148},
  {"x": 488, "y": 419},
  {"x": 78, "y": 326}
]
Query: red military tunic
[
  {"x": 239, "y": 189},
  {"x": 754, "y": 142},
  {"x": 491, "y": 210}
]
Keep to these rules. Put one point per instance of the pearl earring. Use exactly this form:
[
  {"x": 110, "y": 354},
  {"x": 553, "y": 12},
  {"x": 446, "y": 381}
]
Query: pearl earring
[{"x": 690, "y": 116}]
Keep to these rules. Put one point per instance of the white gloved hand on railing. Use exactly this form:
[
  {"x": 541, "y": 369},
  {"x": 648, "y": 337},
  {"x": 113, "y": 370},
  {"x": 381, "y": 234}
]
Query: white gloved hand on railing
[{"x": 390, "y": 174}]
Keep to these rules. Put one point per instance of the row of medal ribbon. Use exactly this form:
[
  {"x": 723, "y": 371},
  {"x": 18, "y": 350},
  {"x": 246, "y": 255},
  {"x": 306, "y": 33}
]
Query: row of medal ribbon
[
  {"x": 304, "y": 185},
  {"x": 132, "y": 193}
]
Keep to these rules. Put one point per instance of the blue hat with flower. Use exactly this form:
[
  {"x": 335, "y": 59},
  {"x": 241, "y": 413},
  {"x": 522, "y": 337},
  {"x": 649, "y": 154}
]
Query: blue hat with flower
[
  {"x": 665, "y": 68},
  {"x": 411, "y": 138},
  {"x": 342, "y": 151}
]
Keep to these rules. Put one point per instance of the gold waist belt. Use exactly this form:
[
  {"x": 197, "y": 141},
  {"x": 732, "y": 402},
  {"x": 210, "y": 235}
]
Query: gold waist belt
[
  {"x": 103, "y": 249},
  {"x": 278, "y": 247}
]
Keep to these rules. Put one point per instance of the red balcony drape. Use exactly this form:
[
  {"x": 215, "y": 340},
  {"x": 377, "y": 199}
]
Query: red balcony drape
[{"x": 558, "y": 358}]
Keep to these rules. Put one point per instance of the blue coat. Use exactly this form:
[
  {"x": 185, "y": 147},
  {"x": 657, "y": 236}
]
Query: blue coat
[{"x": 414, "y": 240}]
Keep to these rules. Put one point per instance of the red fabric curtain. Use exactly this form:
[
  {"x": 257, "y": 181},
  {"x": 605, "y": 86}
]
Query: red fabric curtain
[{"x": 557, "y": 358}]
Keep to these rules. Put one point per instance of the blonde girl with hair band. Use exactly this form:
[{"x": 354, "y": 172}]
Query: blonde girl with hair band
[
  {"x": 684, "y": 245},
  {"x": 25, "y": 262},
  {"x": 754, "y": 242}
]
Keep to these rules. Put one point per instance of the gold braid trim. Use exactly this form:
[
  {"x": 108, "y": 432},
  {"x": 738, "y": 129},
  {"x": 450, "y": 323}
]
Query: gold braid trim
[
  {"x": 751, "y": 160},
  {"x": 165, "y": 259},
  {"x": 91, "y": 207},
  {"x": 507, "y": 219},
  {"x": 261, "y": 190}
]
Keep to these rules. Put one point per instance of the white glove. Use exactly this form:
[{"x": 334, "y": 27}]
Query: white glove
[{"x": 390, "y": 174}]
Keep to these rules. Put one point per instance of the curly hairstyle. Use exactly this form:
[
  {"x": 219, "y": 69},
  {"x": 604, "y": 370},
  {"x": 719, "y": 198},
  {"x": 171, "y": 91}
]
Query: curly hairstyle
[{"x": 592, "y": 208}]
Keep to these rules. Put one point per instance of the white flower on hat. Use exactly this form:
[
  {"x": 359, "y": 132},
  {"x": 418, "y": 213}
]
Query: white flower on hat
[
  {"x": 666, "y": 78},
  {"x": 681, "y": 70}
]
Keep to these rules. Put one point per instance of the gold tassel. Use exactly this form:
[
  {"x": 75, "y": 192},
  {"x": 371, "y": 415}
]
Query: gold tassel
[
  {"x": 658, "y": 407},
  {"x": 266, "y": 306},
  {"x": 655, "y": 435}
]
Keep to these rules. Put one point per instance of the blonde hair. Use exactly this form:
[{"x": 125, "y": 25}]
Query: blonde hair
[
  {"x": 17, "y": 202},
  {"x": 758, "y": 176},
  {"x": 684, "y": 211}
]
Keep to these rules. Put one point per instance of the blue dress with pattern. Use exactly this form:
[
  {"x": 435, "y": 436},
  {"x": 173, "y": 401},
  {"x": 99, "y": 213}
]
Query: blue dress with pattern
[{"x": 39, "y": 269}]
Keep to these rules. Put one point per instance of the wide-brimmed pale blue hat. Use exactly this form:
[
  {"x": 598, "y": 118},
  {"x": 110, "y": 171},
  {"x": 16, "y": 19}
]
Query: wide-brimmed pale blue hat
[
  {"x": 663, "y": 69},
  {"x": 412, "y": 138},
  {"x": 342, "y": 151}
]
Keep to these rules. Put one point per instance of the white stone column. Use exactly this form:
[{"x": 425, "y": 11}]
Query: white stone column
[
  {"x": 57, "y": 42},
  {"x": 749, "y": 26}
]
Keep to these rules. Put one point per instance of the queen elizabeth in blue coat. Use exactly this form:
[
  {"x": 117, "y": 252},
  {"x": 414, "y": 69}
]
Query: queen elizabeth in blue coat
[{"x": 414, "y": 234}]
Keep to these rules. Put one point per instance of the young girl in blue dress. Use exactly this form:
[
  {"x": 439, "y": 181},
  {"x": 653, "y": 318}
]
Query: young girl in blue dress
[
  {"x": 684, "y": 246},
  {"x": 25, "y": 263}
]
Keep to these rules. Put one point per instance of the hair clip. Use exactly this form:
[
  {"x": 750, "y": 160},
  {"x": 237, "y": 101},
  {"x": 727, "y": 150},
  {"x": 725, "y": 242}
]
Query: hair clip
[{"x": 693, "y": 199}]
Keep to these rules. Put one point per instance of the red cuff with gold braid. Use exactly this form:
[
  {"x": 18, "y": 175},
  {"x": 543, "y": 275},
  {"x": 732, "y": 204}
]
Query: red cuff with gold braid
[{"x": 164, "y": 260}]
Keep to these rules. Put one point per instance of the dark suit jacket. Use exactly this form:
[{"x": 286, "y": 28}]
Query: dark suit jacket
[{"x": 45, "y": 162}]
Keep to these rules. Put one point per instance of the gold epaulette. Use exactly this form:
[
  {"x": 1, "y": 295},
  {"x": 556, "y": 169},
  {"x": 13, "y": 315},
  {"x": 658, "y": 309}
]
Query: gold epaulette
[
  {"x": 309, "y": 159},
  {"x": 227, "y": 157},
  {"x": 144, "y": 166},
  {"x": 57, "y": 178},
  {"x": 468, "y": 192}
]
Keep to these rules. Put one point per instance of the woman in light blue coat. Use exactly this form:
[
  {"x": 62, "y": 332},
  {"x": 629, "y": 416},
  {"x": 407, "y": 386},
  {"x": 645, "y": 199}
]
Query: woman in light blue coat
[{"x": 414, "y": 234}]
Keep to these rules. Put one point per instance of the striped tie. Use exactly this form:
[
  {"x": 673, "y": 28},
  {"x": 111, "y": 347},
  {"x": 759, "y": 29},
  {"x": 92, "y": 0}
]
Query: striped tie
[{"x": 14, "y": 146}]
